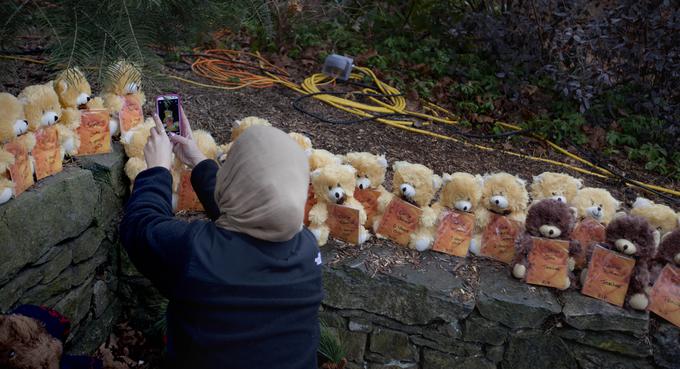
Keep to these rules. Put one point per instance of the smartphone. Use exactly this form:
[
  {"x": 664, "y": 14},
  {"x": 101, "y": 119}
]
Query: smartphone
[{"x": 167, "y": 108}]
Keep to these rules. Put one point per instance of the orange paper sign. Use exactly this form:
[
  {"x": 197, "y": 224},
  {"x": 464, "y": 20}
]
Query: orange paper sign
[
  {"x": 343, "y": 222},
  {"x": 587, "y": 232},
  {"x": 187, "y": 198},
  {"x": 454, "y": 233},
  {"x": 47, "y": 152},
  {"x": 400, "y": 220},
  {"x": 608, "y": 276},
  {"x": 548, "y": 263},
  {"x": 311, "y": 201},
  {"x": 498, "y": 239},
  {"x": 664, "y": 300},
  {"x": 94, "y": 132},
  {"x": 20, "y": 172},
  {"x": 369, "y": 199},
  {"x": 131, "y": 114}
]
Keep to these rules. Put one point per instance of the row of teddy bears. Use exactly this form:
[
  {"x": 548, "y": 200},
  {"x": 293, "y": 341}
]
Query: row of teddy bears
[{"x": 489, "y": 216}]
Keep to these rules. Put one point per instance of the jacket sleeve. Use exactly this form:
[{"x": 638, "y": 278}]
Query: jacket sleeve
[
  {"x": 157, "y": 243},
  {"x": 203, "y": 178}
]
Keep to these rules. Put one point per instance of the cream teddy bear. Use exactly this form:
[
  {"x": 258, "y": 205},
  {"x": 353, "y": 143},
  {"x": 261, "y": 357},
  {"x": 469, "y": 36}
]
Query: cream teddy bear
[
  {"x": 461, "y": 191},
  {"x": 595, "y": 203},
  {"x": 237, "y": 129},
  {"x": 500, "y": 216},
  {"x": 12, "y": 124},
  {"x": 74, "y": 94},
  {"x": 41, "y": 106},
  {"x": 371, "y": 170},
  {"x": 661, "y": 217},
  {"x": 334, "y": 184},
  {"x": 133, "y": 142},
  {"x": 557, "y": 186},
  {"x": 418, "y": 185},
  {"x": 124, "y": 89}
]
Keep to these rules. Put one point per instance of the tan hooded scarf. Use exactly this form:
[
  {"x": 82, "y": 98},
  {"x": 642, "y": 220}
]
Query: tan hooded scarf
[{"x": 261, "y": 187}]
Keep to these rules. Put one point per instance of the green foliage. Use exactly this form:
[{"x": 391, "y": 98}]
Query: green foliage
[
  {"x": 567, "y": 126},
  {"x": 330, "y": 345}
]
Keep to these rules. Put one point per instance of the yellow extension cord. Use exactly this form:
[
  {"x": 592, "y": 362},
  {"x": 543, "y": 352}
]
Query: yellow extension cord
[{"x": 397, "y": 105}]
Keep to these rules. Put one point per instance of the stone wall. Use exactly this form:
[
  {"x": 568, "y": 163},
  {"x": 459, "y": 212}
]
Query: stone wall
[
  {"x": 439, "y": 312},
  {"x": 59, "y": 246}
]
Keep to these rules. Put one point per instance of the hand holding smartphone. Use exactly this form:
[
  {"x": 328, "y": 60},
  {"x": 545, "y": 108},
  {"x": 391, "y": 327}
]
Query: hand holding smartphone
[{"x": 168, "y": 110}]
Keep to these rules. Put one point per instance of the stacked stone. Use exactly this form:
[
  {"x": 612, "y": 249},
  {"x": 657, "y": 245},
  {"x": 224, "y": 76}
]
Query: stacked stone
[
  {"x": 59, "y": 246},
  {"x": 424, "y": 317}
]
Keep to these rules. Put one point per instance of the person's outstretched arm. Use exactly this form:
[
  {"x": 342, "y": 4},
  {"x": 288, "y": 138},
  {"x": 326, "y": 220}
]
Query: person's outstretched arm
[
  {"x": 157, "y": 243},
  {"x": 203, "y": 178}
]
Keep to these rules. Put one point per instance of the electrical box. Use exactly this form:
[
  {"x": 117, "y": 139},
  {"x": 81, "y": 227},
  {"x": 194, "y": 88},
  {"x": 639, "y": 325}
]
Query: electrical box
[{"x": 338, "y": 66}]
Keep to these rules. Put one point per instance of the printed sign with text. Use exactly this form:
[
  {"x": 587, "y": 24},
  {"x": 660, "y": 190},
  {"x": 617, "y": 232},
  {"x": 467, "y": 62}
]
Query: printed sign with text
[
  {"x": 131, "y": 115},
  {"x": 587, "y": 232},
  {"x": 343, "y": 222},
  {"x": 608, "y": 276},
  {"x": 94, "y": 132},
  {"x": 664, "y": 300},
  {"x": 187, "y": 198},
  {"x": 548, "y": 263},
  {"x": 498, "y": 239},
  {"x": 311, "y": 201},
  {"x": 369, "y": 199},
  {"x": 454, "y": 233},
  {"x": 47, "y": 152},
  {"x": 21, "y": 172},
  {"x": 401, "y": 219}
]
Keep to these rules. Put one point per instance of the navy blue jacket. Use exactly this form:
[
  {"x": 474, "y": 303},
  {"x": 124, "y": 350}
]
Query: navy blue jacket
[{"x": 235, "y": 301}]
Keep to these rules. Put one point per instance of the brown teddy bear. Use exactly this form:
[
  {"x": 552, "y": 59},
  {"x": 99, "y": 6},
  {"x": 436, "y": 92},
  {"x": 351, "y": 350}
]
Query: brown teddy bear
[
  {"x": 123, "y": 96},
  {"x": 546, "y": 219},
  {"x": 631, "y": 236},
  {"x": 371, "y": 170},
  {"x": 668, "y": 252},
  {"x": 12, "y": 124},
  {"x": 334, "y": 184},
  {"x": 417, "y": 185},
  {"x": 661, "y": 217},
  {"x": 31, "y": 337},
  {"x": 74, "y": 94},
  {"x": 500, "y": 216},
  {"x": 556, "y": 186}
]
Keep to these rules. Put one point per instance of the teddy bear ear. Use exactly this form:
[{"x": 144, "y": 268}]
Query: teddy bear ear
[
  {"x": 382, "y": 160},
  {"x": 315, "y": 174},
  {"x": 343, "y": 159},
  {"x": 479, "y": 179},
  {"x": 579, "y": 183},
  {"x": 520, "y": 181},
  {"x": 538, "y": 178},
  {"x": 436, "y": 182},
  {"x": 446, "y": 177},
  {"x": 574, "y": 211},
  {"x": 61, "y": 85},
  {"x": 350, "y": 168},
  {"x": 308, "y": 152},
  {"x": 641, "y": 202},
  {"x": 398, "y": 165},
  {"x": 236, "y": 124},
  {"x": 619, "y": 214}
]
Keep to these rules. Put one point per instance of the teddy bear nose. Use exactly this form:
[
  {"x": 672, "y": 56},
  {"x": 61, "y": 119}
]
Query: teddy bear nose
[
  {"x": 89, "y": 98},
  {"x": 361, "y": 186},
  {"x": 551, "y": 232},
  {"x": 337, "y": 195},
  {"x": 497, "y": 201},
  {"x": 465, "y": 208},
  {"x": 25, "y": 121},
  {"x": 625, "y": 247},
  {"x": 599, "y": 208}
]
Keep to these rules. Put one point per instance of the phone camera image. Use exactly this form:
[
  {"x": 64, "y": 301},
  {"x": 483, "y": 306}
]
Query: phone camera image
[{"x": 168, "y": 112}]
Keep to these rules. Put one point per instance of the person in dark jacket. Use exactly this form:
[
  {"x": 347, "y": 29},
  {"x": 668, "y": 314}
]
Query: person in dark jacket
[{"x": 244, "y": 288}]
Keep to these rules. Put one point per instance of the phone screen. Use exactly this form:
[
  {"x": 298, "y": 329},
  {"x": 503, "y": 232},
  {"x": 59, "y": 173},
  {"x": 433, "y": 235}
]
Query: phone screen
[{"x": 168, "y": 112}]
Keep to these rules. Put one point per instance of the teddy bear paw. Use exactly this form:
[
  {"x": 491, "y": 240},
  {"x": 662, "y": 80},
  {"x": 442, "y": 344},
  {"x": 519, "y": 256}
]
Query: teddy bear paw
[
  {"x": 423, "y": 244},
  {"x": 639, "y": 301},
  {"x": 316, "y": 232},
  {"x": 364, "y": 236},
  {"x": 567, "y": 284},
  {"x": 571, "y": 263},
  {"x": 582, "y": 277},
  {"x": 113, "y": 127},
  {"x": 5, "y": 195},
  {"x": 475, "y": 247},
  {"x": 20, "y": 127},
  {"x": 70, "y": 146},
  {"x": 519, "y": 271}
]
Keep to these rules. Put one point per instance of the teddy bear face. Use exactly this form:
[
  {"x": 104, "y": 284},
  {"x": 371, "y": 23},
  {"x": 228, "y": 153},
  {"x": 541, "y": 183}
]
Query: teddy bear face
[
  {"x": 415, "y": 183},
  {"x": 462, "y": 191},
  {"x": 659, "y": 216},
  {"x": 321, "y": 158},
  {"x": 240, "y": 126},
  {"x": 41, "y": 106},
  {"x": 669, "y": 248},
  {"x": 127, "y": 79},
  {"x": 550, "y": 219},
  {"x": 24, "y": 343},
  {"x": 596, "y": 203},
  {"x": 334, "y": 183},
  {"x": 556, "y": 186},
  {"x": 73, "y": 89},
  {"x": 631, "y": 235},
  {"x": 370, "y": 168},
  {"x": 12, "y": 121},
  {"x": 504, "y": 193}
]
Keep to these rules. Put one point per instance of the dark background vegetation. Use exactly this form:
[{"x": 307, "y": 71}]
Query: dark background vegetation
[{"x": 596, "y": 76}]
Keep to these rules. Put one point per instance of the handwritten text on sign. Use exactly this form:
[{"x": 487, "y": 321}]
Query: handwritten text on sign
[
  {"x": 401, "y": 219},
  {"x": 664, "y": 300},
  {"x": 548, "y": 263},
  {"x": 608, "y": 276},
  {"x": 454, "y": 233}
]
